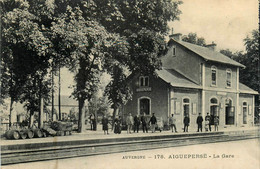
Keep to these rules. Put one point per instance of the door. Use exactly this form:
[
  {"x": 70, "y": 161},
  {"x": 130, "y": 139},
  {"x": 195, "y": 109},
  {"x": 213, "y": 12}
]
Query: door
[{"x": 144, "y": 106}]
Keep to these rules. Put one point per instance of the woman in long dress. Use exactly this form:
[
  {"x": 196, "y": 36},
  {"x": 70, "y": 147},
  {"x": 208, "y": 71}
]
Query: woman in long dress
[
  {"x": 105, "y": 124},
  {"x": 117, "y": 129}
]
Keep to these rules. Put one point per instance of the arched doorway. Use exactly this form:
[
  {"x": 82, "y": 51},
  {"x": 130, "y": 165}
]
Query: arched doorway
[
  {"x": 144, "y": 106},
  {"x": 213, "y": 109},
  {"x": 186, "y": 107},
  {"x": 229, "y": 112}
]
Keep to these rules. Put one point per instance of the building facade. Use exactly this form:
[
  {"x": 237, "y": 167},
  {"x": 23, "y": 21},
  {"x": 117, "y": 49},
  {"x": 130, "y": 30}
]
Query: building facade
[{"x": 193, "y": 80}]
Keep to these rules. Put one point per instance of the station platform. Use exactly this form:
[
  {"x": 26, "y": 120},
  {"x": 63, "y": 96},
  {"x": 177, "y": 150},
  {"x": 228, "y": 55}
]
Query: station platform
[
  {"x": 91, "y": 143},
  {"x": 91, "y": 137}
]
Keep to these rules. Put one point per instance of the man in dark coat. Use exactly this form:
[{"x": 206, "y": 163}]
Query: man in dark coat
[
  {"x": 136, "y": 123},
  {"x": 144, "y": 124},
  {"x": 199, "y": 122},
  {"x": 186, "y": 122},
  {"x": 153, "y": 122}
]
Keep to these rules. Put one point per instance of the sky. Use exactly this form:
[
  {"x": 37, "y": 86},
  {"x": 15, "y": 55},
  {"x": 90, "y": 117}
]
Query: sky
[{"x": 226, "y": 22}]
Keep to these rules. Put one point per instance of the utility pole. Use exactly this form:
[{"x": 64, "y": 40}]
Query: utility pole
[
  {"x": 52, "y": 93},
  {"x": 59, "y": 100}
]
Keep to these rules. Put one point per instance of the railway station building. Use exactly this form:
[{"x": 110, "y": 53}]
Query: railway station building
[{"x": 193, "y": 80}]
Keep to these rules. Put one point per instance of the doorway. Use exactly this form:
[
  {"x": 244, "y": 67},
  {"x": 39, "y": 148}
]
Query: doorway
[
  {"x": 213, "y": 110},
  {"x": 230, "y": 112},
  {"x": 144, "y": 106}
]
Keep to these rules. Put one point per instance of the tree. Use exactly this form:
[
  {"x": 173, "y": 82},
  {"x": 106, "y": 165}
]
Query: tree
[
  {"x": 194, "y": 39},
  {"x": 250, "y": 75},
  {"x": 143, "y": 24},
  {"x": 117, "y": 90},
  {"x": 25, "y": 50},
  {"x": 82, "y": 41},
  {"x": 249, "y": 58}
]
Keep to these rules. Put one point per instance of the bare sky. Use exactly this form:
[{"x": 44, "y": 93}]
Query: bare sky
[{"x": 226, "y": 22}]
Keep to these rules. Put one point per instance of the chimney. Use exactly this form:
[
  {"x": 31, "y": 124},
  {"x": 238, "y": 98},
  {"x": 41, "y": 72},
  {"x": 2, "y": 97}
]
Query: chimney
[
  {"x": 176, "y": 36},
  {"x": 212, "y": 46}
]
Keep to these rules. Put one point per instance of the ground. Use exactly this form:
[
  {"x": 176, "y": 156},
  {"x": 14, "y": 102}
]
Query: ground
[{"x": 243, "y": 154}]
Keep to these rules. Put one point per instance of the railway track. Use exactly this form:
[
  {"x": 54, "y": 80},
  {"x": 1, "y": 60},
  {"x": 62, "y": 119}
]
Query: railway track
[{"x": 61, "y": 152}]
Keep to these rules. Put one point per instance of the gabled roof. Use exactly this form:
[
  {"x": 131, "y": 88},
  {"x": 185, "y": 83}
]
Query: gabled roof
[
  {"x": 176, "y": 79},
  {"x": 245, "y": 89},
  {"x": 209, "y": 54}
]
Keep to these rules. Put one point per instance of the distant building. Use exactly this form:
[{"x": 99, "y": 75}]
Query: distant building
[{"x": 194, "y": 79}]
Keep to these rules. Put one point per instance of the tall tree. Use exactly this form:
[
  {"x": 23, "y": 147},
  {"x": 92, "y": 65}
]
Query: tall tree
[
  {"x": 193, "y": 38},
  {"x": 25, "y": 52},
  {"x": 82, "y": 42},
  {"x": 143, "y": 24},
  {"x": 249, "y": 58}
]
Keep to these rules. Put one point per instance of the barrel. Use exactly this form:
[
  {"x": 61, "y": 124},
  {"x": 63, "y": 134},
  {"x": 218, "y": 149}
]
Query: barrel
[
  {"x": 12, "y": 134},
  {"x": 30, "y": 133},
  {"x": 37, "y": 133},
  {"x": 23, "y": 134}
]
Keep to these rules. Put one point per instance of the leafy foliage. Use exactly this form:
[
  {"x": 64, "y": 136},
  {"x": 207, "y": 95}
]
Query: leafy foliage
[{"x": 194, "y": 39}]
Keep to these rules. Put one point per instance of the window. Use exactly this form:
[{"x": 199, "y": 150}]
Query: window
[
  {"x": 174, "y": 51},
  {"x": 229, "y": 76},
  {"x": 245, "y": 110},
  {"x": 213, "y": 76},
  {"x": 144, "y": 81}
]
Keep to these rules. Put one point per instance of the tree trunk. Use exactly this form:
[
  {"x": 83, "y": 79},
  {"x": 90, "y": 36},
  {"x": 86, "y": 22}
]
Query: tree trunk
[
  {"x": 115, "y": 112},
  {"x": 81, "y": 114},
  {"x": 31, "y": 118},
  {"x": 40, "y": 120},
  {"x": 11, "y": 110}
]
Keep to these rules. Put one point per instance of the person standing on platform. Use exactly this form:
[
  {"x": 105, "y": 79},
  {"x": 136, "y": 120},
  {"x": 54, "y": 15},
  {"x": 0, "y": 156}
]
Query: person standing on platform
[
  {"x": 92, "y": 121},
  {"x": 153, "y": 122},
  {"x": 207, "y": 123},
  {"x": 144, "y": 124},
  {"x": 211, "y": 122},
  {"x": 186, "y": 122},
  {"x": 160, "y": 124},
  {"x": 105, "y": 124},
  {"x": 172, "y": 123},
  {"x": 118, "y": 122},
  {"x": 199, "y": 122},
  {"x": 136, "y": 123},
  {"x": 216, "y": 122},
  {"x": 129, "y": 123}
]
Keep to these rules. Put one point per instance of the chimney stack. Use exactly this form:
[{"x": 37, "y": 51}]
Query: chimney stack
[
  {"x": 212, "y": 46},
  {"x": 176, "y": 36}
]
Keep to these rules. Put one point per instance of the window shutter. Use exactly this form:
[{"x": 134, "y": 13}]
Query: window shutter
[
  {"x": 194, "y": 108},
  {"x": 172, "y": 106},
  {"x": 239, "y": 109},
  {"x": 249, "y": 110},
  {"x": 178, "y": 106}
]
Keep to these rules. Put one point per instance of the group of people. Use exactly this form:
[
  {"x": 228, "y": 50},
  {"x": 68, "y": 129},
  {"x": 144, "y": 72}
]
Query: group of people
[
  {"x": 209, "y": 121},
  {"x": 145, "y": 121},
  {"x": 117, "y": 125}
]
